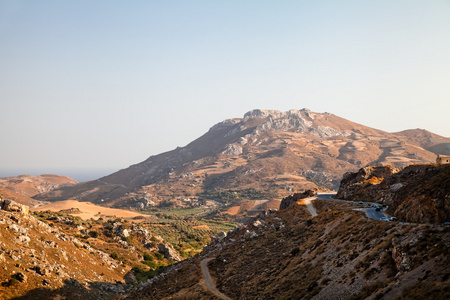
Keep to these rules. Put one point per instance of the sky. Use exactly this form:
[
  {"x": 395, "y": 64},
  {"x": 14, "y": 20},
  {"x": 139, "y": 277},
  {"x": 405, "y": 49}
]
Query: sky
[{"x": 91, "y": 87}]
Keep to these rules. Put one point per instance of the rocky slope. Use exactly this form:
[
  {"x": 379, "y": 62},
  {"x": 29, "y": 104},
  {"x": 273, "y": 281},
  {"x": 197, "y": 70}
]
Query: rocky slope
[
  {"x": 270, "y": 151},
  {"x": 417, "y": 193},
  {"x": 54, "y": 255},
  {"x": 35, "y": 256},
  {"x": 339, "y": 254}
]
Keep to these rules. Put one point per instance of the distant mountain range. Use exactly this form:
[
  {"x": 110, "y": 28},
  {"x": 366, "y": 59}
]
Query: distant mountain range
[{"x": 270, "y": 152}]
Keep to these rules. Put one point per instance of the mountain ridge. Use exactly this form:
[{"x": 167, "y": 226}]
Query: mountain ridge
[{"x": 267, "y": 150}]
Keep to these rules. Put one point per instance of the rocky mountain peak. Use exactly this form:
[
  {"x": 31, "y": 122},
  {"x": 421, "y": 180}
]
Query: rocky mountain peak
[
  {"x": 276, "y": 114},
  {"x": 309, "y": 149}
]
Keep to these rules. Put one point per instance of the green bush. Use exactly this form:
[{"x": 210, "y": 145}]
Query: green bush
[
  {"x": 148, "y": 257},
  {"x": 114, "y": 255},
  {"x": 94, "y": 234}
]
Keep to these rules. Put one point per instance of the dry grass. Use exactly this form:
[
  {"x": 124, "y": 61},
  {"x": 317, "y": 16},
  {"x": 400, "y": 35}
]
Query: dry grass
[{"x": 89, "y": 210}]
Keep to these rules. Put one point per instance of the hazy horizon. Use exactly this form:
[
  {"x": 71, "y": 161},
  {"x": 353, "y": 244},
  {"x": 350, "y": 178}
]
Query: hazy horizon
[
  {"x": 78, "y": 175},
  {"x": 96, "y": 86}
]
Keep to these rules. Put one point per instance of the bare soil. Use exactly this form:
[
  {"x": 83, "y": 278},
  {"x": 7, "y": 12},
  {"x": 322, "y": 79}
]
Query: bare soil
[{"x": 89, "y": 210}]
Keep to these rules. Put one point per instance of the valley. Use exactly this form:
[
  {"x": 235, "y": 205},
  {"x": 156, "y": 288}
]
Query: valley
[{"x": 246, "y": 211}]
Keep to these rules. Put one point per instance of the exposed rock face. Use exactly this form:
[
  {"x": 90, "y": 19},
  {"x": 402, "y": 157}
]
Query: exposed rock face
[
  {"x": 9, "y": 205},
  {"x": 288, "y": 201},
  {"x": 352, "y": 182},
  {"x": 264, "y": 150},
  {"x": 168, "y": 252},
  {"x": 417, "y": 193},
  {"x": 232, "y": 149}
]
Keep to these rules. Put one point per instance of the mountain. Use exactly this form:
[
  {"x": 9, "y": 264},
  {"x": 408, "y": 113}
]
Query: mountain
[{"x": 267, "y": 153}]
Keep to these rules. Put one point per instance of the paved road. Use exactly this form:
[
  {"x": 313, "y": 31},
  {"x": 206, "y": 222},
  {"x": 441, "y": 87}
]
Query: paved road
[
  {"x": 208, "y": 279},
  {"x": 371, "y": 212}
]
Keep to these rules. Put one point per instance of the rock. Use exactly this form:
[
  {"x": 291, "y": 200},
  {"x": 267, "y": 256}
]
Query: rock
[
  {"x": 13, "y": 206},
  {"x": 19, "y": 230},
  {"x": 396, "y": 187},
  {"x": 168, "y": 252},
  {"x": 23, "y": 239},
  {"x": 20, "y": 277},
  {"x": 41, "y": 270},
  {"x": 130, "y": 278},
  {"x": 232, "y": 149},
  {"x": 288, "y": 201},
  {"x": 221, "y": 235},
  {"x": 352, "y": 182},
  {"x": 125, "y": 233},
  {"x": 257, "y": 223}
]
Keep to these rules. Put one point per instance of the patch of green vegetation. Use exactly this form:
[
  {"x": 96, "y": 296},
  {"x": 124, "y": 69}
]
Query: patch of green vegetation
[
  {"x": 143, "y": 275},
  {"x": 180, "y": 212},
  {"x": 231, "y": 196}
]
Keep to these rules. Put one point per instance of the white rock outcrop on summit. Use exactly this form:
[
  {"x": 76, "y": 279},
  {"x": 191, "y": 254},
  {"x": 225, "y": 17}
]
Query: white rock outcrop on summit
[{"x": 270, "y": 151}]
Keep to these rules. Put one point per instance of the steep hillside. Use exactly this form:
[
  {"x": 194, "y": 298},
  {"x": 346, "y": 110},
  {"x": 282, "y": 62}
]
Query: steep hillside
[
  {"x": 427, "y": 140},
  {"x": 269, "y": 151},
  {"x": 417, "y": 193},
  {"x": 30, "y": 186},
  {"x": 57, "y": 255},
  {"x": 339, "y": 254},
  {"x": 35, "y": 255}
]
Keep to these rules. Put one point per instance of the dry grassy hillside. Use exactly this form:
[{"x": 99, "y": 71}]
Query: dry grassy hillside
[
  {"x": 30, "y": 186},
  {"x": 340, "y": 254},
  {"x": 272, "y": 152},
  {"x": 35, "y": 255}
]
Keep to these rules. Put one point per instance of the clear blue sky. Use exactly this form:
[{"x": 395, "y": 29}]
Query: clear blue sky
[{"x": 94, "y": 86}]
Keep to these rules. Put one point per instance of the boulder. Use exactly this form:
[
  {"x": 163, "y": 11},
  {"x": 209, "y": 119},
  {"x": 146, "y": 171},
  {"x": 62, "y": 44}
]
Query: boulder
[
  {"x": 288, "y": 201},
  {"x": 125, "y": 233},
  {"x": 10, "y": 205},
  {"x": 20, "y": 277},
  {"x": 168, "y": 252}
]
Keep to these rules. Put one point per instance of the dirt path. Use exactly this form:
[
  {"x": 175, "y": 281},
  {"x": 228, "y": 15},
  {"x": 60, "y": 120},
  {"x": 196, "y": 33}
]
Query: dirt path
[
  {"x": 309, "y": 205},
  {"x": 209, "y": 281}
]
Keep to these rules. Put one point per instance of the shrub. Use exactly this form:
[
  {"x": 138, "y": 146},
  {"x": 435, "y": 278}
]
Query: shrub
[
  {"x": 159, "y": 255},
  {"x": 148, "y": 257},
  {"x": 94, "y": 234},
  {"x": 295, "y": 251},
  {"x": 114, "y": 255}
]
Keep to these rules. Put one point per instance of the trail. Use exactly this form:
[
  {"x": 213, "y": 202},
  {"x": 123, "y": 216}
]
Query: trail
[
  {"x": 309, "y": 205},
  {"x": 209, "y": 281}
]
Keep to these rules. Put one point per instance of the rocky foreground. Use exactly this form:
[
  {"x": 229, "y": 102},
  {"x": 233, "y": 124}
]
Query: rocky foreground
[
  {"x": 50, "y": 255},
  {"x": 340, "y": 254},
  {"x": 38, "y": 260},
  {"x": 286, "y": 254}
]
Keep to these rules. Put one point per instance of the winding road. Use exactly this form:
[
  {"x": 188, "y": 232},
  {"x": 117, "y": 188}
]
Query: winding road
[
  {"x": 208, "y": 279},
  {"x": 371, "y": 212}
]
